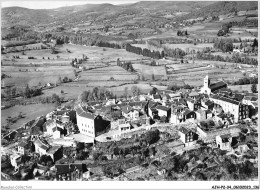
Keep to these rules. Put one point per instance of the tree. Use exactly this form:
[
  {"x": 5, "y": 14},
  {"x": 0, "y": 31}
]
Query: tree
[
  {"x": 44, "y": 159},
  {"x": 126, "y": 92},
  {"x": 164, "y": 119},
  {"x": 27, "y": 93},
  {"x": 255, "y": 43},
  {"x": 75, "y": 73},
  {"x": 135, "y": 90},
  {"x": 56, "y": 99},
  {"x": 153, "y": 78},
  {"x": 254, "y": 88},
  {"x": 153, "y": 91},
  {"x": 152, "y": 136}
]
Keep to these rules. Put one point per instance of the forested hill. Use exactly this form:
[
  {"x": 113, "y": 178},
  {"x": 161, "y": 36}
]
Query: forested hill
[
  {"x": 12, "y": 16},
  {"x": 223, "y": 7}
]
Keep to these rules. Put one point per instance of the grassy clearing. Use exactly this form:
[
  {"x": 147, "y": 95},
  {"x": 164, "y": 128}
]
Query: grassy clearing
[
  {"x": 189, "y": 46},
  {"x": 148, "y": 70},
  {"x": 36, "y": 75},
  {"x": 107, "y": 73},
  {"x": 241, "y": 88},
  {"x": 31, "y": 112}
]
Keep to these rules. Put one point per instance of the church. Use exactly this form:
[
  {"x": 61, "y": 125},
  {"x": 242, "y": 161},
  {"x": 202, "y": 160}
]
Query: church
[{"x": 209, "y": 88}]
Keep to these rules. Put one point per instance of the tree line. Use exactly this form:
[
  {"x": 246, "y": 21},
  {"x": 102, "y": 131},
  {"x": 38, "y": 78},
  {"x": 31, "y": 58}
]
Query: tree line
[
  {"x": 96, "y": 94},
  {"x": 19, "y": 43},
  {"x": 126, "y": 65},
  {"x": 108, "y": 44},
  {"x": 223, "y": 45},
  {"x": 235, "y": 58},
  {"x": 246, "y": 80},
  {"x": 144, "y": 52}
]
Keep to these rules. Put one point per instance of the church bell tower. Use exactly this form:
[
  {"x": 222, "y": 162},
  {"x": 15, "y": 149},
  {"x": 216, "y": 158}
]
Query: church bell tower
[{"x": 206, "y": 81}]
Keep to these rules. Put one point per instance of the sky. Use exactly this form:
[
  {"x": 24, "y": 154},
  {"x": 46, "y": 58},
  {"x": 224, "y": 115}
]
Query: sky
[{"x": 47, "y": 4}]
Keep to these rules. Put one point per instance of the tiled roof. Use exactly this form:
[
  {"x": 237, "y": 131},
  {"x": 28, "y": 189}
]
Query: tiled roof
[
  {"x": 138, "y": 103},
  {"x": 225, "y": 136},
  {"x": 85, "y": 114},
  {"x": 184, "y": 130},
  {"x": 164, "y": 108},
  {"x": 194, "y": 93},
  {"x": 53, "y": 149},
  {"x": 93, "y": 103},
  {"x": 238, "y": 97},
  {"x": 190, "y": 100},
  {"x": 208, "y": 111},
  {"x": 67, "y": 168},
  {"x": 217, "y": 85},
  {"x": 229, "y": 100},
  {"x": 42, "y": 145},
  {"x": 225, "y": 99},
  {"x": 48, "y": 122},
  {"x": 22, "y": 144},
  {"x": 186, "y": 112},
  {"x": 208, "y": 103},
  {"x": 127, "y": 109},
  {"x": 57, "y": 129},
  {"x": 152, "y": 104},
  {"x": 156, "y": 96}
]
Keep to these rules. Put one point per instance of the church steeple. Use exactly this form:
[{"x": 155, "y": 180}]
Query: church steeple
[{"x": 206, "y": 81}]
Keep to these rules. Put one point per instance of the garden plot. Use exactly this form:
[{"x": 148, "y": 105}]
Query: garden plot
[
  {"x": 112, "y": 73},
  {"x": 147, "y": 70}
]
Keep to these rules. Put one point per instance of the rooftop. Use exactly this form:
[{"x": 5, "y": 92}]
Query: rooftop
[
  {"x": 67, "y": 168},
  {"x": 22, "y": 144},
  {"x": 164, "y": 108},
  {"x": 217, "y": 85},
  {"x": 184, "y": 130},
  {"x": 81, "y": 112},
  {"x": 229, "y": 100}
]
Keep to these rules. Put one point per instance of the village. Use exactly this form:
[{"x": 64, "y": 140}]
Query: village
[{"x": 164, "y": 135}]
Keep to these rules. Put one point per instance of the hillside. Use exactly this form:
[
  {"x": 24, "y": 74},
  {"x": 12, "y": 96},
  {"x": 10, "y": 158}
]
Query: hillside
[
  {"x": 94, "y": 12},
  {"x": 223, "y": 7}
]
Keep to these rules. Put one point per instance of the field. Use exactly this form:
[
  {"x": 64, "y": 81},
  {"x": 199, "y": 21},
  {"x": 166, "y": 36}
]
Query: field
[
  {"x": 241, "y": 88},
  {"x": 35, "y": 75},
  {"x": 105, "y": 74},
  {"x": 193, "y": 74},
  {"x": 23, "y": 71},
  {"x": 147, "y": 70},
  {"x": 189, "y": 46},
  {"x": 30, "y": 111}
]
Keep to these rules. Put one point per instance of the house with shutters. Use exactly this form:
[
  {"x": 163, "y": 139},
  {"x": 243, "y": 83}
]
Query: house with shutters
[
  {"x": 163, "y": 111},
  {"x": 201, "y": 114},
  {"x": 224, "y": 141},
  {"x": 152, "y": 111},
  {"x": 187, "y": 136},
  {"x": 177, "y": 114},
  {"x": 89, "y": 123},
  {"x": 207, "y": 104},
  {"x": 41, "y": 147},
  {"x": 238, "y": 110},
  {"x": 70, "y": 172},
  {"x": 130, "y": 113},
  {"x": 23, "y": 148},
  {"x": 193, "y": 105}
]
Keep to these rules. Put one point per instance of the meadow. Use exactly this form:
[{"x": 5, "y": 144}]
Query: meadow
[{"x": 29, "y": 111}]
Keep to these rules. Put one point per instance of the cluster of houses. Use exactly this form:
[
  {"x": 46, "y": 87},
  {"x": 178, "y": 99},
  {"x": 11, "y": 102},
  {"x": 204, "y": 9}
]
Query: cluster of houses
[{"x": 214, "y": 102}]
